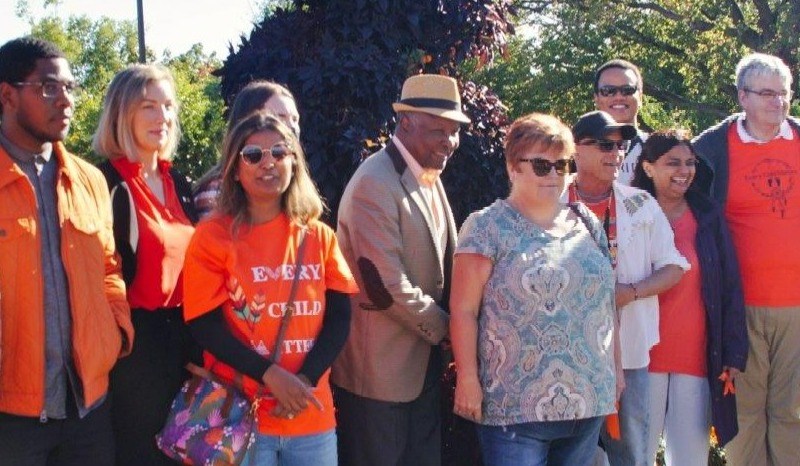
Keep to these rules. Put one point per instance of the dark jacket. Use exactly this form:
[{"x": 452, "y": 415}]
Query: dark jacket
[
  {"x": 724, "y": 305},
  {"x": 712, "y": 146},
  {"x": 122, "y": 206}
]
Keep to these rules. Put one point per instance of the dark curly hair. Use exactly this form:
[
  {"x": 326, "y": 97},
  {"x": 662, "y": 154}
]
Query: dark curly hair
[{"x": 18, "y": 57}]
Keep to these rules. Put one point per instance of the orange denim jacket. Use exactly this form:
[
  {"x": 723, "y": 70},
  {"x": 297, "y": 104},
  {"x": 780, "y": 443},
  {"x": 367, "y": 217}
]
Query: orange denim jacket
[{"x": 100, "y": 312}]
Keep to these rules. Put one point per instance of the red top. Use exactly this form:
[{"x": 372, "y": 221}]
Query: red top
[
  {"x": 606, "y": 212},
  {"x": 164, "y": 234},
  {"x": 763, "y": 213},
  {"x": 682, "y": 316}
]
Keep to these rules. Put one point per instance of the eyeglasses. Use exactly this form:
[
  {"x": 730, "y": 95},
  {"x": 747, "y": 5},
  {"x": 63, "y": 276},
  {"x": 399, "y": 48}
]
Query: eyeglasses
[
  {"x": 605, "y": 145},
  {"x": 770, "y": 94},
  {"x": 52, "y": 89},
  {"x": 611, "y": 91},
  {"x": 253, "y": 155},
  {"x": 542, "y": 167}
]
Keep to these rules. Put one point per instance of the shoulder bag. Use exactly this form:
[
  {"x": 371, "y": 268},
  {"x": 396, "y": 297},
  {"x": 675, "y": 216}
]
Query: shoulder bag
[{"x": 211, "y": 422}]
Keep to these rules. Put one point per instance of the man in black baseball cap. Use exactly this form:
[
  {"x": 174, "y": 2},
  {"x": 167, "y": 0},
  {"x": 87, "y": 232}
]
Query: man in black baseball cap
[
  {"x": 601, "y": 143},
  {"x": 598, "y": 124},
  {"x": 647, "y": 263}
]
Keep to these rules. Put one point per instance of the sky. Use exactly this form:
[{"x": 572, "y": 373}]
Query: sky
[{"x": 169, "y": 24}]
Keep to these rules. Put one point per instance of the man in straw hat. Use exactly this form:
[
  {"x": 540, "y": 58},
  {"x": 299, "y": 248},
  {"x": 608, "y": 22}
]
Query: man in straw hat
[{"x": 396, "y": 231}]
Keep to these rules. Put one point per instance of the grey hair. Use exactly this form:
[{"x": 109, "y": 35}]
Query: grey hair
[{"x": 761, "y": 64}]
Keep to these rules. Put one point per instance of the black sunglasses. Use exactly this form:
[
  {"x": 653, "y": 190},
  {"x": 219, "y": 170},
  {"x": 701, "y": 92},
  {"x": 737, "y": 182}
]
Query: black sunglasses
[
  {"x": 611, "y": 91},
  {"x": 542, "y": 167},
  {"x": 253, "y": 154},
  {"x": 607, "y": 146}
]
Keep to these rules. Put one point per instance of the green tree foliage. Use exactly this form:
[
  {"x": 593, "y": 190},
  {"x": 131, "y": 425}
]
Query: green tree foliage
[
  {"x": 510, "y": 77},
  {"x": 687, "y": 52},
  {"x": 98, "y": 49},
  {"x": 201, "y": 112},
  {"x": 345, "y": 61}
]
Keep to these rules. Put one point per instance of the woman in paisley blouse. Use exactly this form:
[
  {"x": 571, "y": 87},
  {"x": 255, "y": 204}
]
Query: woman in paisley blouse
[{"x": 532, "y": 311}]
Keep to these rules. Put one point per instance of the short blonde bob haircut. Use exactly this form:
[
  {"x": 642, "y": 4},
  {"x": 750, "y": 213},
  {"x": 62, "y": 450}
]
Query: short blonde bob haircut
[
  {"x": 114, "y": 135},
  {"x": 544, "y": 133},
  {"x": 301, "y": 201}
]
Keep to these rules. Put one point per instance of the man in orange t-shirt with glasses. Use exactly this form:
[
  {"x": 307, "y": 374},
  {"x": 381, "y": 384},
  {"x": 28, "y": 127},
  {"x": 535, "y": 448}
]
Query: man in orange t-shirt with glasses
[{"x": 755, "y": 156}]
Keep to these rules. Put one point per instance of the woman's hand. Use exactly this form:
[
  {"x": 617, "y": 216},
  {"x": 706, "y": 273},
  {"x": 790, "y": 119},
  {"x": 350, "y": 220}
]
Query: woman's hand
[
  {"x": 468, "y": 399},
  {"x": 624, "y": 294},
  {"x": 471, "y": 272},
  {"x": 292, "y": 392},
  {"x": 732, "y": 372},
  {"x": 727, "y": 377}
]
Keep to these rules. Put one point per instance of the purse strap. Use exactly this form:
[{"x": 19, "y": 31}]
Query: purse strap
[
  {"x": 238, "y": 379},
  {"x": 203, "y": 373},
  {"x": 289, "y": 312}
]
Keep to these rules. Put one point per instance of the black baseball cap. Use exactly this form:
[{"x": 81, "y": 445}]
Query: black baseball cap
[{"x": 598, "y": 124}]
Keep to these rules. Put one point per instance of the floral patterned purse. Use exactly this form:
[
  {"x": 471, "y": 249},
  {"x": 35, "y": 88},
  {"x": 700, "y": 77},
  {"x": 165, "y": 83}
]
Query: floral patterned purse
[{"x": 211, "y": 422}]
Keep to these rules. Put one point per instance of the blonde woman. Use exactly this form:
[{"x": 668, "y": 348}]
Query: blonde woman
[
  {"x": 239, "y": 271},
  {"x": 153, "y": 216}
]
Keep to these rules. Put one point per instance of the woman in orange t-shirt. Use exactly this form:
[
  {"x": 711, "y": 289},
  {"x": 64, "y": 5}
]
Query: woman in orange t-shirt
[
  {"x": 257, "y": 95},
  {"x": 703, "y": 339},
  {"x": 239, "y": 271}
]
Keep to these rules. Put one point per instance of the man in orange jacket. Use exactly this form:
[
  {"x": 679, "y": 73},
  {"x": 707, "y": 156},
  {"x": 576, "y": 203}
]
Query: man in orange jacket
[{"x": 64, "y": 314}]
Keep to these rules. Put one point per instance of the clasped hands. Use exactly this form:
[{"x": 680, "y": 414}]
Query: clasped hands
[{"x": 293, "y": 392}]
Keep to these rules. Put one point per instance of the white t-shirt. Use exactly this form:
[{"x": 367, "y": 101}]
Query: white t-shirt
[{"x": 625, "y": 173}]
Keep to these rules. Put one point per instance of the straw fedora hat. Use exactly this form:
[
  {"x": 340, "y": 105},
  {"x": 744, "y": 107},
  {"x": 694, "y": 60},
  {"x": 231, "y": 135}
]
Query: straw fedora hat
[{"x": 433, "y": 94}]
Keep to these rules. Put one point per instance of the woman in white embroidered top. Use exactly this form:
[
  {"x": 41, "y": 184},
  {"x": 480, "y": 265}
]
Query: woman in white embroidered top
[{"x": 532, "y": 311}]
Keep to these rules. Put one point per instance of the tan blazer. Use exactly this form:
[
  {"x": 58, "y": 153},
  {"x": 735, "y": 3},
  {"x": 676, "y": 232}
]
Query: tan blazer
[{"x": 385, "y": 232}]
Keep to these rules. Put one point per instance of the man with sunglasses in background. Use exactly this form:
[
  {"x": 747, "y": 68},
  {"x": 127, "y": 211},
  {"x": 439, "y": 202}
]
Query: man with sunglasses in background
[
  {"x": 397, "y": 232},
  {"x": 646, "y": 260},
  {"x": 755, "y": 156},
  {"x": 64, "y": 313},
  {"x": 618, "y": 92}
]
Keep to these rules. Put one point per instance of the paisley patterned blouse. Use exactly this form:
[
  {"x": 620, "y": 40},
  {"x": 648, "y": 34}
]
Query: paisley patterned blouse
[{"x": 546, "y": 320}]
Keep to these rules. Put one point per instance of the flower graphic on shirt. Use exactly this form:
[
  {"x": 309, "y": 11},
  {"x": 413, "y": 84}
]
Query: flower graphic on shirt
[
  {"x": 250, "y": 313},
  {"x": 257, "y": 306},
  {"x": 236, "y": 293}
]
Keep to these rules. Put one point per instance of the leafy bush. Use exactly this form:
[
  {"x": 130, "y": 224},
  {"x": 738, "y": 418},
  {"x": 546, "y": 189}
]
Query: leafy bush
[{"x": 346, "y": 60}]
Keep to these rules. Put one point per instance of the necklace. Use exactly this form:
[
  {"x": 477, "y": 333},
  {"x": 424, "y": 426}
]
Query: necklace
[
  {"x": 609, "y": 216},
  {"x": 592, "y": 199}
]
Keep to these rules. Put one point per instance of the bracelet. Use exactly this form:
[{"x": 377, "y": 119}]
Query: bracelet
[{"x": 635, "y": 291}]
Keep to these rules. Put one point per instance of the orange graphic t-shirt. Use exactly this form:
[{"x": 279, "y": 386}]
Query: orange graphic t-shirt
[
  {"x": 250, "y": 276},
  {"x": 763, "y": 213}
]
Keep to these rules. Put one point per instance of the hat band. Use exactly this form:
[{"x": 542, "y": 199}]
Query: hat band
[{"x": 423, "y": 102}]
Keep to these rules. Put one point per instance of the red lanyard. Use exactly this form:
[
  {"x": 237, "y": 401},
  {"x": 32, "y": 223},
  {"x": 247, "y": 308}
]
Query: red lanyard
[{"x": 609, "y": 218}]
